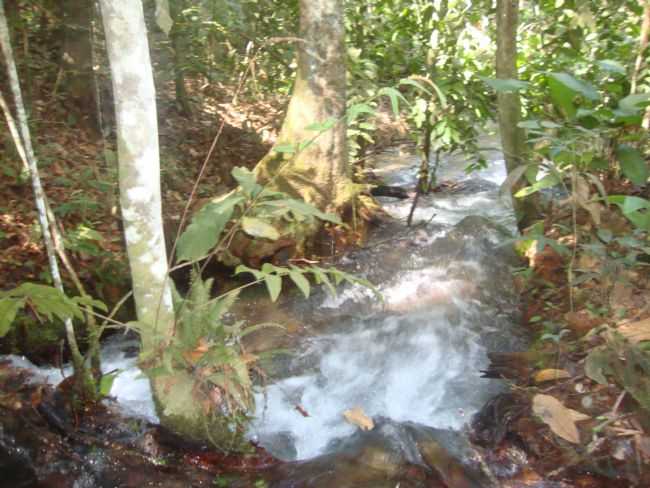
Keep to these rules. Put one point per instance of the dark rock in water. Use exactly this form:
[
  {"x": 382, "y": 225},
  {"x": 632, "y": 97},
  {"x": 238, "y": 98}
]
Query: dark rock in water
[
  {"x": 491, "y": 425},
  {"x": 392, "y": 453}
]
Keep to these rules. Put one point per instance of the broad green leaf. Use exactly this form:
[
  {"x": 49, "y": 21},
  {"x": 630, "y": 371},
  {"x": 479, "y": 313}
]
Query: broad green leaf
[
  {"x": 597, "y": 365},
  {"x": 633, "y": 164},
  {"x": 255, "y": 227},
  {"x": 547, "y": 181},
  {"x": 612, "y": 66},
  {"x": 633, "y": 104},
  {"x": 636, "y": 209},
  {"x": 301, "y": 208},
  {"x": 578, "y": 86},
  {"x": 203, "y": 234},
  {"x": 299, "y": 279},
  {"x": 106, "y": 382},
  {"x": 274, "y": 285},
  {"x": 8, "y": 309},
  {"x": 49, "y": 301},
  {"x": 506, "y": 85},
  {"x": 562, "y": 98},
  {"x": 247, "y": 181}
]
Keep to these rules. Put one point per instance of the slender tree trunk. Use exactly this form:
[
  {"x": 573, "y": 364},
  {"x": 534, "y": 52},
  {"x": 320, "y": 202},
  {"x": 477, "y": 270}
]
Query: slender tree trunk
[
  {"x": 319, "y": 172},
  {"x": 642, "y": 56},
  {"x": 179, "y": 46},
  {"x": 84, "y": 380},
  {"x": 77, "y": 61},
  {"x": 139, "y": 179},
  {"x": 509, "y": 105}
]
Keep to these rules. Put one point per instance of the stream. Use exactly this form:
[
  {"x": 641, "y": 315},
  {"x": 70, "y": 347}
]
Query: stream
[{"x": 411, "y": 362}]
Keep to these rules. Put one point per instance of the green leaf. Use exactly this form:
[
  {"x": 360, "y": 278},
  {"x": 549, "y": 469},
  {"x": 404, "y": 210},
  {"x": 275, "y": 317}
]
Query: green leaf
[
  {"x": 321, "y": 277},
  {"x": 357, "y": 109},
  {"x": 633, "y": 104},
  {"x": 286, "y": 148},
  {"x": 322, "y": 126},
  {"x": 577, "y": 86},
  {"x": 636, "y": 209},
  {"x": 506, "y": 85},
  {"x": 255, "y": 227},
  {"x": 547, "y": 181},
  {"x": 597, "y": 365},
  {"x": 274, "y": 285},
  {"x": 562, "y": 98},
  {"x": 632, "y": 164},
  {"x": 395, "y": 96},
  {"x": 299, "y": 279},
  {"x": 612, "y": 66},
  {"x": 106, "y": 382},
  {"x": 203, "y": 234},
  {"x": 302, "y": 209},
  {"x": 245, "y": 269},
  {"x": 88, "y": 301},
  {"x": 8, "y": 309},
  {"x": 247, "y": 181}
]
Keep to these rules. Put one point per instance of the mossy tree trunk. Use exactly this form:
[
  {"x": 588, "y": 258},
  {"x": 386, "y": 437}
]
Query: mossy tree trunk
[
  {"x": 509, "y": 106},
  {"x": 318, "y": 173},
  {"x": 140, "y": 200}
]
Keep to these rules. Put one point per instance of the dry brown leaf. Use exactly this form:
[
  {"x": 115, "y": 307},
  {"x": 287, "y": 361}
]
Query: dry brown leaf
[
  {"x": 356, "y": 416},
  {"x": 559, "y": 418},
  {"x": 551, "y": 374},
  {"x": 636, "y": 331}
]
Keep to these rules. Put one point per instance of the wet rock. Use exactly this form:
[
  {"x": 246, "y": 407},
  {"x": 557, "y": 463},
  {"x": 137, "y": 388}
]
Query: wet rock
[{"x": 392, "y": 453}]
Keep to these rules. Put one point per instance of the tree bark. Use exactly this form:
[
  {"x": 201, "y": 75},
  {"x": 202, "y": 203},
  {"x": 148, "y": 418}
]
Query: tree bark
[
  {"x": 77, "y": 61},
  {"x": 318, "y": 173},
  {"x": 140, "y": 200},
  {"x": 641, "y": 56},
  {"x": 509, "y": 105}
]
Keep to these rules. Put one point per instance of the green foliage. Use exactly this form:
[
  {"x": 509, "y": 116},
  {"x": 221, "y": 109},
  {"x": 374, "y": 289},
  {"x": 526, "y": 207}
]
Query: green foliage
[
  {"x": 330, "y": 278},
  {"x": 42, "y": 299},
  {"x": 573, "y": 146},
  {"x": 251, "y": 209},
  {"x": 626, "y": 363}
]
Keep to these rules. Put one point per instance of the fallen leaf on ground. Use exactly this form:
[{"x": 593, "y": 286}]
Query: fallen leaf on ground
[
  {"x": 559, "y": 418},
  {"x": 551, "y": 375},
  {"x": 636, "y": 331},
  {"x": 356, "y": 416}
]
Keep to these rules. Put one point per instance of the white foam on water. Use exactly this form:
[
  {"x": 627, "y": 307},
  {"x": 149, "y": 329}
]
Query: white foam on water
[
  {"x": 131, "y": 389},
  {"x": 416, "y": 367}
]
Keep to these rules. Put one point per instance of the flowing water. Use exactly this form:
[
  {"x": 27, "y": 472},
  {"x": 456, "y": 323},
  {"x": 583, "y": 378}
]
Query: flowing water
[
  {"x": 413, "y": 359},
  {"x": 417, "y": 357}
]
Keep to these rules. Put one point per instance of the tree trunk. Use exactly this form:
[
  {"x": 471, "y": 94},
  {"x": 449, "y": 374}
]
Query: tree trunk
[
  {"x": 318, "y": 173},
  {"x": 641, "y": 56},
  {"x": 179, "y": 45},
  {"x": 77, "y": 61},
  {"x": 179, "y": 406},
  {"x": 509, "y": 106}
]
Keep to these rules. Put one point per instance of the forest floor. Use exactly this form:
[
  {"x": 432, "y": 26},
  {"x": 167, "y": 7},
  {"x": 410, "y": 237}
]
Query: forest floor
[{"x": 580, "y": 401}]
